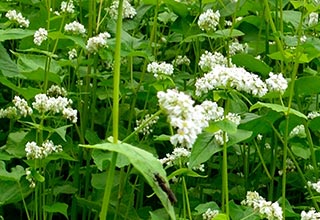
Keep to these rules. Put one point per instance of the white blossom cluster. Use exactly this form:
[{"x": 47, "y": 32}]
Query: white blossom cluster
[
  {"x": 20, "y": 109},
  {"x": 313, "y": 114},
  {"x": 210, "y": 214},
  {"x": 33, "y": 151},
  {"x": 209, "y": 20},
  {"x": 30, "y": 178},
  {"x": 313, "y": 19},
  {"x": 231, "y": 77},
  {"x": 97, "y": 42},
  {"x": 14, "y": 16},
  {"x": 127, "y": 11},
  {"x": 315, "y": 186},
  {"x": 312, "y": 214},
  {"x": 75, "y": 28},
  {"x": 268, "y": 210},
  {"x": 181, "y": 60},
  {"x": 298, "y": 131},
  {"x": 146, "y": 123},
  {"x": 189, "y": 120},
  {"x": 55, "y": 91},
  {"x": 208, "y": 61},
  {"x": 39, "y": 36},
  {"x": 160, "y": 69},
  {"x": 290, "y": 166},
  {"x": 236, "y": 47},
  {"x": 277, "y": 83},
  {"x": 72, "y": 54},
  {"x": 67, "y": 7}
]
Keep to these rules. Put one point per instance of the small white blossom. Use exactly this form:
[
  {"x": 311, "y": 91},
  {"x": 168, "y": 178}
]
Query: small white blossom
[
  {"x": 39, "y": 36},
  {"x": 10, "y": 112},
  {"x": 33, "y": 151},
  {"x": 30, "y": 178},
  {"x": 70, "y": 114},
  {"x": 231, "y": 77},
  {"x": 22, "y": 106},
  {"x": 67, "y": 6},
  {"x": 13, "y": 16},
  {"x": 290, "y": 166},
  {"x": 210, "y": 214},
  {"x": 127, "y": 11},
  {"x": 55, "y": 91},
  {"x": 236, "y": 47},
  {"x": 315, "y": 186},
  {"x": 72, "y": 54},
  {"x": 147, "y": 124},
  {"x": 276, "y": 82},
  {"x": 209, "y": 20},
  {"x": 176, "y": 156},
  {"x": 313, "y": 115},
  {"x": 75, "y": 27},
  {"x": 160, "y": 69},
  {"x": 181, "y": 60},
  {"x": 312, "y": 214},
  {"x": 313, "y": 19},
  {"x": 97, "y": 42},
  {"x": 208, "y": 61},
  {"x": 298, "y": 131}
]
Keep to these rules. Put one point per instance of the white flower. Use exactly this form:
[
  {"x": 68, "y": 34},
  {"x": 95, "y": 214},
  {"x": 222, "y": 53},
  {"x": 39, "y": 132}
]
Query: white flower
[
  {"x": 298, "y": 131},
  {"x": 12, "y": 15},
  {"x": 231, "y": 77},
  {"x": 210, "y": 214},
  {"x": 180, "y": 60},
  {"x": 176, "y": 156},
  {"x": 67, "y": 6},
  {"x": 70, "y": 114},
  {"x": 33, "y": 151},
  {"x": 208, "y": 61},
  {"x": 277, "y": 83},
  {"x": 72, "y": 54},
  {"x": 97, "y": 42},
  {"x": 160, "y": 69},
  {"x": 312, "y": 214},
  {"x": 127, "y": 11},
  {"x": 313, "y": 18},
  {"x": 22, "y": 106},
  {"x": 75, "y": 27},
  {"x": 39, "y": 36},
  {"x": 147, "y": 124},
  {"x": 55, "y": 91},
  {"x": 10, "y": 112},
  {"x": 315, "y": 186},
  {"x": 236, "y": 47},
  {"x": 209, "y": 20},
  {"x": 314, "y": 114}
]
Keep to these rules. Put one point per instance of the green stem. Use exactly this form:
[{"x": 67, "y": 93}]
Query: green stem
[
  {"x": 186, "y": 197},
  {"x": 225, "y": 189},
  {"x": 115, "y": 111}
]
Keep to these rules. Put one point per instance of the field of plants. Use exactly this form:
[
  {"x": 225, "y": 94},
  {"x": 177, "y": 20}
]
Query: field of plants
[{"x": 159, "y": 109}]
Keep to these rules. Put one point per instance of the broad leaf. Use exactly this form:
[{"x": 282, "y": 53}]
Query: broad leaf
[
  {"x": 8, "y": 68},
  {"x": 146, "y": 164},
  {"x": 57, "y": 207},
  {"x": 251, "y": 63},
  {"x": 14, "y": 34},
  {"x": 15, "y": 174}
]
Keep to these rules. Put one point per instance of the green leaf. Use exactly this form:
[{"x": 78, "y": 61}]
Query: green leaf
[
  {"x": 8, "y": 68},
  {"x": 226, "y": 33},
  {"x": 101, "y": 158},
  {"x": 61, "y": 131},
  {"x": 250, "y": 63},
  {"x": 301, "y": 151},
  {"x": 186, "y": 172},
  {"x": 11, "y": 191},
  {"x": 307, "y": 85},
  {"x": 14, "y": 34},
  {"x": 177, "y": 7},
  {"x": 16, "y": 144},
  {"x": 278, "y": 108},
  {"x": 64, "y": 189},
  {"x": 15, "y": 174},
  {"x": 201, "y": 208},
  {"x": 146, "y": 164},
  {"x": 57, "y": 207}
]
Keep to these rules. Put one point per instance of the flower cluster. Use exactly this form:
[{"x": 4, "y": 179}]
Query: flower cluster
[
  {"x": 160, "y": 69},
  {"x": 315, "y": 186},
  {"x": 39, "y": 36},
  {"x": 20, "y": 109},
  {"x": 208, "y": 61},
  {"x": 267, "y": 209},
  {"x": 312, "y": 214},
  {"x": 236, "y": 47},
  {"x": 55, "y": 91},
  {"x": 298, "y": 131},
  {"x": 209, "y": 214},
  {"x": 209, "y": 20},
  {"x": 33, "y": 151},
  {"x": 188, "y": 119},
  {"x": 72, "y": 54},
  {"x": 277, "y": 83},
  {"x": 289, "y": 165},
  {"x": 231, "y": 77},
  {"x": 13, "y": 16},
  {"x": 67, "y": 7},
  {"x": 313, "y": 19},
  {"x": 75, "y": 27},
  {"x": 127, "y": 11},
  {"x": 181, "y": 60},
  {"x": 97, "y": 42},
  {"x": 30, "y": 178},
  {"x": 313, "y": 114},
  {"x": 147, "y": 124}
]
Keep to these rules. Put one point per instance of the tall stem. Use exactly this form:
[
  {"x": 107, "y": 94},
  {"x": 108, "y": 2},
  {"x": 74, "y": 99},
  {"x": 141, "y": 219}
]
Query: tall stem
[{"x": 115, "y": 112}]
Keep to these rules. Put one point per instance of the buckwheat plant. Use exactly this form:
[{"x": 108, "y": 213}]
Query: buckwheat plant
[
  {"x": 208, "y": 61},
  {"x": 209, "y": 20},
  {"x": 75, "y": 28},
  {"x": 127, "y": 12},
  {"x": 39, "y": 36},
  {"x": 97, "y": 42},
  {"x": 160, "y": 70},
  {"x": 266, "y": 209},
  {"x": 210, "y": 214},
  {"x": 16, "y": 17},
  {"x": 312, "y": 214}
]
